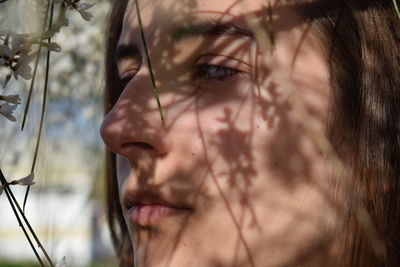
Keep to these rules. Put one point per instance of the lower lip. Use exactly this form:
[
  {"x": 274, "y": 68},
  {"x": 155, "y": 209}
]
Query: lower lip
[{"x": 152, "y": 214}]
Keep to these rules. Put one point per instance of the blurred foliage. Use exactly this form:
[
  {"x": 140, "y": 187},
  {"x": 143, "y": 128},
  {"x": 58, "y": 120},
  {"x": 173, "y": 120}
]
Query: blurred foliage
[
  {"x": 74, "y": 110},
  {"x": 18, "y": 264},
  {"x": 34, "y": 264}
]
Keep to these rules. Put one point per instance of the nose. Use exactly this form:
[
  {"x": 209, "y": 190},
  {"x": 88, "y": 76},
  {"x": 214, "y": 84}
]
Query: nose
[{"x": 133, "y": 126}]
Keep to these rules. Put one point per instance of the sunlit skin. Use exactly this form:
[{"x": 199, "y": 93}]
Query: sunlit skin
[{"x": 236, "y": 157}]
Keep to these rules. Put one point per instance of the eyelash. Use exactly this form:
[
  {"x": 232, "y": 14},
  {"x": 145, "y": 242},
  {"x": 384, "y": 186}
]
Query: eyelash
[
  {"x": 125, "y": 80},
  {"x": 203, "y": 71},
  {"x": 213, "y": 72}
]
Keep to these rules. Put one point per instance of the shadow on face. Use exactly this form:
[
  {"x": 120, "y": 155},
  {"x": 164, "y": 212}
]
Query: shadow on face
[{"x": 246, "y": 112}]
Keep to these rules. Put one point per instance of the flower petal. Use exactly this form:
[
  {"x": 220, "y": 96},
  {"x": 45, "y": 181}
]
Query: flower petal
[
  {"x": 14, "y": 99},
  {"x": 85, "y": 15},
  {"x": 51, "y": 46},
  {"x": 24, "y": 70},
  {"x": 19, "y": 41},
  {"x": 5, "y": 50},
  {"x": 8, "y": 77},
  {"x": 28, "y": 180},
  {"x": 85, "y": 6},
  {"x": 27, "y": 58},
  {"x": 7, "y": 110},
  {"x": 9, "y": 117}
]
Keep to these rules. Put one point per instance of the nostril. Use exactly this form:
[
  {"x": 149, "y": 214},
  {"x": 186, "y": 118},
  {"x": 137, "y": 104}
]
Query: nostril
[{"x": 139, "y": 145}]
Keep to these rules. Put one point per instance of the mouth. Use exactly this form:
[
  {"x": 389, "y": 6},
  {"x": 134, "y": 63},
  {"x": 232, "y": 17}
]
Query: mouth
[
  {"x": 147, "y": 208},
  {"x": 145, "y": 215}
]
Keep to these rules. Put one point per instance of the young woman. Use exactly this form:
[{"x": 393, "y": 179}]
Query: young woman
[{"x": 279, "y": 138}]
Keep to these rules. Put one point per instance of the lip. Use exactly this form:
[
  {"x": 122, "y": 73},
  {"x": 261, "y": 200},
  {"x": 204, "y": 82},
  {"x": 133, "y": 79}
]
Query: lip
[
  {"x": 147, "y": 208},
  {"x": 145, "y": 215}
]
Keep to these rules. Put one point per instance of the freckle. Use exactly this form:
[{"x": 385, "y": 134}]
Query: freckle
[
  {"x": 192, "y": 154},
  {"x": 258, "y": 126},
  {"x": 276, "y": 163}
]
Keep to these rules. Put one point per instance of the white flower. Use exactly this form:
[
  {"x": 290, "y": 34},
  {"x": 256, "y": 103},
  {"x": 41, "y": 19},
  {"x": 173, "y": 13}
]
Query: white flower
[
  {"x": 85, "y": 6},
  {"x": 15, "y": 50},
  {"x": 15, "y": 55},
  {"x": 21, "y": 43},
  {"x": 85, "y": 15},
  {"x": 82, "y": 7},
  {"x": 22, "y": 68},
  {"x": 13, "y": 99},
  {"x": 7, "y": 111},
  {"x": 27, "y": 181}
]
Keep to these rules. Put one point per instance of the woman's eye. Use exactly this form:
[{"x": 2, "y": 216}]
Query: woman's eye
[
  {"x": 125, "y": 81},
  {"x": 213, "y": 72},
  {"x": 127, "y": 77}
]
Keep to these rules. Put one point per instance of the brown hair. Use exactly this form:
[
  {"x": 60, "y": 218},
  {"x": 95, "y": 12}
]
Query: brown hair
[
  {"x": 362, "y": 38},
  {"x": 117, "y": 225}
]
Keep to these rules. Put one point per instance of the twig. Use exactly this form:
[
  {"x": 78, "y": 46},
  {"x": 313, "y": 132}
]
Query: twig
[
  {"x": 10, "y": 197},
  {"x": 43, "y": 108},
  {"x": 396, "y": 7},
  {"x": 153, "y": 81},
  {"x": 28, "y": 101}
]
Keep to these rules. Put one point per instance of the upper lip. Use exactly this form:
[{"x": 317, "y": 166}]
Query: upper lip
[{"x": 148, "y": 197}]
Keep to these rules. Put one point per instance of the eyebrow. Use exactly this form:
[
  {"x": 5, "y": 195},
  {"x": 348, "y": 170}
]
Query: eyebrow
[
  {"x": 210, "y": 28},
  {"x": 190, "y": 31},
  {"x": 126, "y": 51}
]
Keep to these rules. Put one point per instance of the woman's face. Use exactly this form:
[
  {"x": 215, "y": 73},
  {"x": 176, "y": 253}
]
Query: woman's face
[{"x": 235, "y": 176}]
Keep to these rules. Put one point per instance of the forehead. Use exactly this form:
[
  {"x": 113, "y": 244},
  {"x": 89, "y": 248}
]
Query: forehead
[
  {"x": 178, "y": 9},
  {"x": 166, "y": 15}
]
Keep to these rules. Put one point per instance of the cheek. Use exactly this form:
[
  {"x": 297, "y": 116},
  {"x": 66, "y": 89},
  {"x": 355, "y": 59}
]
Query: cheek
[
  {"x": 262, "y": 128},
  {"x": 268, "y": 142},
  {"x": 123, "y": 171}
]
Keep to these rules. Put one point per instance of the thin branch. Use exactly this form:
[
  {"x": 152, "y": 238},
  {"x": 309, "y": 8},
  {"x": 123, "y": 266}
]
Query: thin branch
[
  {"x": 28, "y": 101},
  {"x": 153, "y": 81},
  {"x": 10, "y": 196},
  {"x": 396, "y": 7},
  {"x": 43, "y": 108}
]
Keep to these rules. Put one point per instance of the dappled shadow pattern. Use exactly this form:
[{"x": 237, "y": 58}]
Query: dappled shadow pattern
[{"x": 242, "y": 145}]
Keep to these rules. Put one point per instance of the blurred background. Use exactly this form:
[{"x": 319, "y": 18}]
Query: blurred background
[{"x": 66, "y": 205}]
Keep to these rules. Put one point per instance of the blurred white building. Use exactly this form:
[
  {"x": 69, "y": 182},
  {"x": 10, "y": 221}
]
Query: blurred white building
[{"x": 67, "y": 219}]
